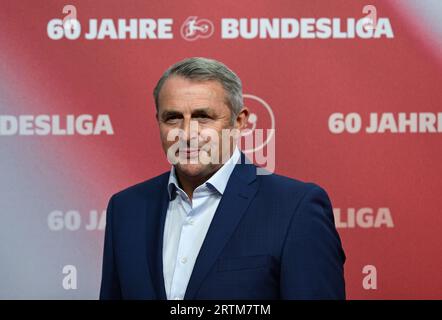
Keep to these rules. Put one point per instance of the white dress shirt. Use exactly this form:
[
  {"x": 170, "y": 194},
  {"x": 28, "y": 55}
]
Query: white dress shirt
[{"x": 186, "y": 226}]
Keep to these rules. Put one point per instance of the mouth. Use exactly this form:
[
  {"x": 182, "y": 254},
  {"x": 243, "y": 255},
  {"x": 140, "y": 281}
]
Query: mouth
[{"x": 188, "y": 153}]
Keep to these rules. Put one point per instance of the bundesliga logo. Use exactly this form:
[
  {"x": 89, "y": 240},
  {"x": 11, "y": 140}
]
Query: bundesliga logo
[{"x": 194, "y": 28}]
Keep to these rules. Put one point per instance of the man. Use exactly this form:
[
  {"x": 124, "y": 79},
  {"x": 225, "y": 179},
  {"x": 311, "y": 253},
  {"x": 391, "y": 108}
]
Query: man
[{"x": 212, "y": 228}]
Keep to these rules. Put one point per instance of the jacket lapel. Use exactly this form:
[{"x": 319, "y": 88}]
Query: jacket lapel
[
  {"x": 237, "y": 196},
  {"x": 156, "y": 216}
]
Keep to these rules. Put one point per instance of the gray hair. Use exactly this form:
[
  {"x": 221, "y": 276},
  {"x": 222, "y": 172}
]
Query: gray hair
[{"x": 203, "y": 69}]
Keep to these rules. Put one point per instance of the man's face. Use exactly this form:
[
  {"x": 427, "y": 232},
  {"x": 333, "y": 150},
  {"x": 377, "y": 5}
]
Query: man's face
[{"x": 198, "y": 110}]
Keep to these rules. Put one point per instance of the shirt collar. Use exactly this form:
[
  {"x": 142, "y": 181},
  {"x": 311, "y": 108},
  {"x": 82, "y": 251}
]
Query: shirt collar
[{"x": 218, "y": 180}]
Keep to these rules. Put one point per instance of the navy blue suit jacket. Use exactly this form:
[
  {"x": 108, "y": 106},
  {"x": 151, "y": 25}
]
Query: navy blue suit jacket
[{"x": 271, "y": 237}]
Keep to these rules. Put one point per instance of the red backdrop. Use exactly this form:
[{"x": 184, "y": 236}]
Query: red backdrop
[{"x": 319, "y": 90}]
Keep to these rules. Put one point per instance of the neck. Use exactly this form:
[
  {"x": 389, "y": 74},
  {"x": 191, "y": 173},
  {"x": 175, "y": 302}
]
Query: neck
[{"x": 189, "y": 184}]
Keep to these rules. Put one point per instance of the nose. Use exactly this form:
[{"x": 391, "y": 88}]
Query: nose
[{"x": 190, "y": 130}]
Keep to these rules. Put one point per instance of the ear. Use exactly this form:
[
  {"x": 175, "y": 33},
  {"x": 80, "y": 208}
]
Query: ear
[{"x": 241, "y": 118}]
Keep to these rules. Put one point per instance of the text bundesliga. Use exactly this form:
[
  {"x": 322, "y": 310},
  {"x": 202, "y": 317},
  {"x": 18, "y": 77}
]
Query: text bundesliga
[
  {"x": 245, "y": 28},
  {"x": 57, "y": 125}
]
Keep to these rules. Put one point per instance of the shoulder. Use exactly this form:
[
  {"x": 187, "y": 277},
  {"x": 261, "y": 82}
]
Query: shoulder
[
  {"x": 310, "y": 208},
  {"x": 148, "y": 188},
  {"x": 283, "y": 186}
]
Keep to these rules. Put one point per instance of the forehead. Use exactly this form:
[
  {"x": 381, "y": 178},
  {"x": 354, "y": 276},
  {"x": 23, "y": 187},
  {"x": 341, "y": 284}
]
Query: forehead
[{"x": 179, "y": 91}]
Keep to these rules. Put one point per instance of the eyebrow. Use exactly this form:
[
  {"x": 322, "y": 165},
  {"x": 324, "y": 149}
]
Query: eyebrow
[
  {"x": 202, "y": 111},
  {"x": 167, "y": 114},
  {"x": 195, "y": 113}
]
